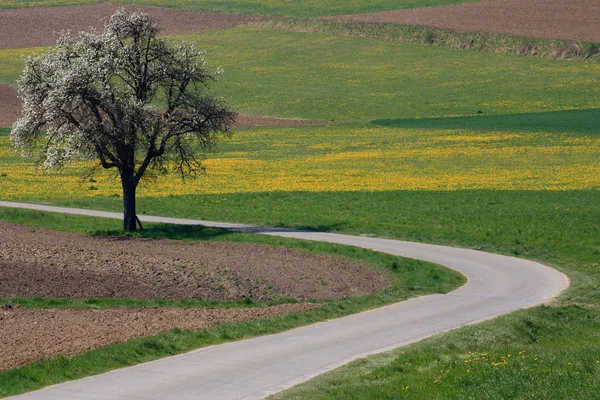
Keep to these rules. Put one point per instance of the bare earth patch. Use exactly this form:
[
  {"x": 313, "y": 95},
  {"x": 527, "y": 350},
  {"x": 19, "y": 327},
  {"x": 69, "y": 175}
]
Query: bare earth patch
[
  {"x": 244, "y": 120},
  {"x": 28, "y": 335},
  {"x": 10, "y": 105},
  {"x": 29, "y": 27},
  {"x": 45, "y": 263},
  {"x": 557, "y": 19}
]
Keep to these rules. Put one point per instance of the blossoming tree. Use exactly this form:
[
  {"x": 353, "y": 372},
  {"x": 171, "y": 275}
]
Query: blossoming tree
[{"x": 124, "y": 98}]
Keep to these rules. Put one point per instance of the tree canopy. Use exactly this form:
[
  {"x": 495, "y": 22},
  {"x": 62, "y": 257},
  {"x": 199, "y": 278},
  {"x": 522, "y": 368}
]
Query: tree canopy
[{"x": 123, "y": 97}]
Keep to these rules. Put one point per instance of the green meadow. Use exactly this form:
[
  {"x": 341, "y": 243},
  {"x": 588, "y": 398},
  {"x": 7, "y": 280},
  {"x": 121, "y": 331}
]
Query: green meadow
[
  {"x": 519, "y": 135},
  {"x": 297, "y": 75}
]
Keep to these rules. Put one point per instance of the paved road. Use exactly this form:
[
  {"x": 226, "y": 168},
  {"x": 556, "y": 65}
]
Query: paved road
[{"x": 254, "y": 368}]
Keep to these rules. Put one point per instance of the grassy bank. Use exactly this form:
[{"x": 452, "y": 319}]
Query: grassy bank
[
  {"x": 436, "y": 37},
  {"x": 543, "y": 353}
]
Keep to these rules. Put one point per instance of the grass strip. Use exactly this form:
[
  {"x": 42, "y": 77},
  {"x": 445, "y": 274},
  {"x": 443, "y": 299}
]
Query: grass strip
[
  {"x": 556, "y": 227},
  {"x": 298, "y": 8},
  {"x": 103, "y": 303},
  {"x": 497, "y": 43},
  {"x": 571, "y": 122}
]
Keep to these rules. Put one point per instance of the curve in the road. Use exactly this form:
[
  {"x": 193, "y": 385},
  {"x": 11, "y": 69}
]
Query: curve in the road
[{"x": 254, "y": 368}]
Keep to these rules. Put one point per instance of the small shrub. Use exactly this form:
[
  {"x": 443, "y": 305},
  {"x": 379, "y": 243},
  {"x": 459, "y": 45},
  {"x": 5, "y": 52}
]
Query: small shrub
[
  {"x": 528, "y": 46},
  {"x": 428, "y": 36},
  {"x": 589, "y": 49}
]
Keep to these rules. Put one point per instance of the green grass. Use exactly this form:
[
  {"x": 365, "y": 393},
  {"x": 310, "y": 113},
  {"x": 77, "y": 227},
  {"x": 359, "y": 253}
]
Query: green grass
[
  {"x": 302, "y": 8},
  {"x": 429, "y": 36},
  {"x": 293, "y": 74},
  {"x": 343, "y": 158},
  {"x": 104, "y": 303},
  {"x": 41, "y": 3},
  {"x": 11, "y": 63},
  {"x": 290, "y": 74},
  {"x": 568, "y": 121}
]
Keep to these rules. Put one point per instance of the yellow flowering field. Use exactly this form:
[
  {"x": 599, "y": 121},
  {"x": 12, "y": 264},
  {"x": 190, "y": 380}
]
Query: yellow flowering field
[{"x": 343, "y": 158}]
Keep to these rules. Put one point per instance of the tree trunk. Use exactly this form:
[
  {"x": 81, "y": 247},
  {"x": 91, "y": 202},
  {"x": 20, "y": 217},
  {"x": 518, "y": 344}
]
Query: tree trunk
[{"x": 129, "y": 214}]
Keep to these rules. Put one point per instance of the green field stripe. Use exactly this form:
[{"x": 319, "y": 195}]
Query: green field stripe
[
  {"x": 297, "y": 8},
  {"x": 574, "y": 121}
]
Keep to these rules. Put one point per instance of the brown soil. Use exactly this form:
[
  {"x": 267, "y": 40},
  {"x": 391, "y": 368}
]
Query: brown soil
[
  {"x": 39, "y": 262},
  {"x": 254, "y": 120},
  {"x": 29, "y": 27},
  {"x": 28, "y": 335},
  {"x": 10, "y": 105},
  {"x": 558, "y": 19}
]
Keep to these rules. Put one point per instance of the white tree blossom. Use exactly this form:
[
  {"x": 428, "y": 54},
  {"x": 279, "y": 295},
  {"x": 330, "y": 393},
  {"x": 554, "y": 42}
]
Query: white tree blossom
[{"x": 124, "y": 97}]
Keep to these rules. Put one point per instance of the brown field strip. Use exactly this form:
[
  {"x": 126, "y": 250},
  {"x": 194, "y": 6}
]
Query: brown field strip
[
  {"x": 30, "y": 27},
  {"x": 29, "y": 335},
  {"x": 10, "y": 105},
  {"x": 556, "y": 19},
  {"x": 46, "y": 263}
]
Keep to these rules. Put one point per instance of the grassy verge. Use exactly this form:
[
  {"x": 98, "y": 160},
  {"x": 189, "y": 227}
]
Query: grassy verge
[
  {"x": 429, "y": 36},
  {"x": 410, "y": 278},
  {"x": 103, "y": 303},
  {"x": 301, "y": 8}
]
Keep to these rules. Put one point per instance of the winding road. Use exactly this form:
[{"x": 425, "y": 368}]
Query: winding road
[{"x": 254, "y": 368}]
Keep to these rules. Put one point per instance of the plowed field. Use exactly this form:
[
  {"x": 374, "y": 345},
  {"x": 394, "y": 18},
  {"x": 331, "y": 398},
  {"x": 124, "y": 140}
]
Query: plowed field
[
  {"x": 28, "y": 335},
  {"x": 559, "y": 19},
  {"x": 29, "y": 27},
  {"x": 10, "y": 106},
  {"x": 45, "y": 263}
]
